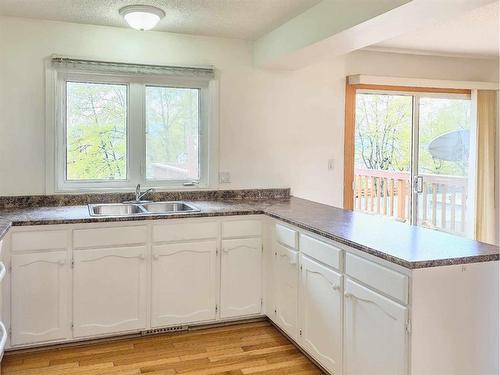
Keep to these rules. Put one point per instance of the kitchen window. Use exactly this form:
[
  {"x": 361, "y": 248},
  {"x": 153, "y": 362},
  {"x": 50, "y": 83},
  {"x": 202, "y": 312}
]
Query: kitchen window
[{"x": 119, "y": 125}]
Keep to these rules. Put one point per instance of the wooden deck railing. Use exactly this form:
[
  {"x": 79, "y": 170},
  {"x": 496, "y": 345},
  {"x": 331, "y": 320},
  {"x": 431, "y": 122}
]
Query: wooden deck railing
[{"x": 442, "y": 204}]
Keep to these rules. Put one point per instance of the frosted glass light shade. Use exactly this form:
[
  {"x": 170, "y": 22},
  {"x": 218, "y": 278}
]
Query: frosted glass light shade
[{"x": 142, "y": 17}]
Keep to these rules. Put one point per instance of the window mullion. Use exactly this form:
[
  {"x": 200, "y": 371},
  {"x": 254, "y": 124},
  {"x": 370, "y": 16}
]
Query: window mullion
[{"x": 136, "y": 136}]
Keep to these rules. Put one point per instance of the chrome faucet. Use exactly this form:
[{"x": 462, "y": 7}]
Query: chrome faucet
[{"x": 139, "y": 195}]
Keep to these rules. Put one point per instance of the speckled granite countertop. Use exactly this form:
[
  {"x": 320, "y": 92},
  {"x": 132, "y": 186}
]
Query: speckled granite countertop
[{"x": 407, "y": 246}]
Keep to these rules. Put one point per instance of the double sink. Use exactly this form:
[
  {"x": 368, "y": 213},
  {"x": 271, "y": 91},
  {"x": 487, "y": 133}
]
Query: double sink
[{"x": 141, "y": 208}]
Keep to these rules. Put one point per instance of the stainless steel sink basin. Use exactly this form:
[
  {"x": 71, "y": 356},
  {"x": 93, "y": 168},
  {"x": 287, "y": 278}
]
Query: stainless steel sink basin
[
  {"x": 136, "y": 209},
  {"x": 115, "y": 209},
  {"x": 168, "y": 207}
]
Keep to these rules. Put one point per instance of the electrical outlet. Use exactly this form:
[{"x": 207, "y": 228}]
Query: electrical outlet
[
  {"x": 224, "y": 177},
  {"x": 330, "y": 164}
]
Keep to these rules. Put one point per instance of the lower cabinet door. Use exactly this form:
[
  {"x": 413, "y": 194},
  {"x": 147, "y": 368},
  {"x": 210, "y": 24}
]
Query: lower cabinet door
[
  {"x": 184, "y": 283},
  {"x": 321, "y": 314},
  {"x": 287, "y": 289},
  {"x": 375, "y": 339},
  {"x": 109, "y": 291},
  {"x": 241, "y": 274},
  {"x": 40, "y": 288}
]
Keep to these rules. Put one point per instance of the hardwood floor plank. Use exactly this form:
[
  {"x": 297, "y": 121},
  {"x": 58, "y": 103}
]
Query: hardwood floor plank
[{"x": 249, "y": 348}]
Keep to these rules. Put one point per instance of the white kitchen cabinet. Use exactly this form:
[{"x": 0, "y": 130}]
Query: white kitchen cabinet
[
  {"x": 321, "y": 313},
  {"x": 184, "y": 282},
  {"x": 286, "y": 289},
  {"x": 109, "y": 290},
  {"x": 375, "y": 338},
  {"x": 40, "y": 299},
  {"x": 113, "y": 273},
  {"x": 241, "y": 285}
]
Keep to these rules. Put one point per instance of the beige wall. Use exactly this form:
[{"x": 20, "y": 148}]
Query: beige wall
[{"x": 278, "y": 128}]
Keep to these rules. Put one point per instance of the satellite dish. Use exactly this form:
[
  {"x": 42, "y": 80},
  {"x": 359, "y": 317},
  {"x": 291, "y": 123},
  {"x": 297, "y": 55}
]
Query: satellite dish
[{"x": 452, "y": 146}]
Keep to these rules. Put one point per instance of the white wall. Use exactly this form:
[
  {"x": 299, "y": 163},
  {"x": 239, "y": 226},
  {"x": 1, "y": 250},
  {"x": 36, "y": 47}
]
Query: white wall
[
  {"x": 316, "y": 132},
  {"x": 248, "y": 115},
  {"x": 278, "y": 128}
]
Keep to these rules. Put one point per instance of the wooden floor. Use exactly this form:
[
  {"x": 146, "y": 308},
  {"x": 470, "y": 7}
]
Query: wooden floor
[{"x": 251, "y": 348}]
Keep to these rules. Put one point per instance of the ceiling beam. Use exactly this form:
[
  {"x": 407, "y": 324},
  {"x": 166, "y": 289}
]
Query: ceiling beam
[{"x": 337, "y": 27}]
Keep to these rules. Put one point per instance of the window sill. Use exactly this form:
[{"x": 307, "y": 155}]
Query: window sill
[{"x": 80, "y": 190}]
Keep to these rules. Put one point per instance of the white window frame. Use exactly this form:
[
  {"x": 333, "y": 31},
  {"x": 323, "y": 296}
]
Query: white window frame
[{"x": 56, "y": 181}]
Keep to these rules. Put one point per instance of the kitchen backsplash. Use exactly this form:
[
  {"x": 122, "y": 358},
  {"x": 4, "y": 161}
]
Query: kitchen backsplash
[{"x": 7, "y": 202}]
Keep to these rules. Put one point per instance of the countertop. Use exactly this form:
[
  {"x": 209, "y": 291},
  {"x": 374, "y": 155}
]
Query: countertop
[{"x": 405, "y": 245}]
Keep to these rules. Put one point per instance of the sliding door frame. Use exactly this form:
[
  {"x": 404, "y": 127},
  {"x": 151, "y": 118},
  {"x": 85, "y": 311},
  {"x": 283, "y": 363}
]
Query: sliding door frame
[{"x": 350, "y": 129}]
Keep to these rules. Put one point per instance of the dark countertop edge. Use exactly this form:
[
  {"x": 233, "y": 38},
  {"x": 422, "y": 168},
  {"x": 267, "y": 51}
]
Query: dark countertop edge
[
  {"x": 5, "y": 226},
  {"x": 390, "y": 258},
  {"x": 111, "y": 219}
]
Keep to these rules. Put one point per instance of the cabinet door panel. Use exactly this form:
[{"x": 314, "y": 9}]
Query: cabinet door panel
[
  {"x": 183, "y": 283},
  {"x": 241, "y": 285},
  {"x": 287, "y": 288},
  {"x": 109, "y": 291},
  {"x": 321, "y": 313},
  {"x": 375, "y": 340},
  {"x": 40, "y": 297}
]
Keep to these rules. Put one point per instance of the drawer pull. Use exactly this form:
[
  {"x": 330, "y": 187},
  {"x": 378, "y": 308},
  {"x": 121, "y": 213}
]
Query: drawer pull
[
  {"x": 156, "y": 256},
  {"x": 62, "y": 262},
  {"x": 356, "y": 298}
]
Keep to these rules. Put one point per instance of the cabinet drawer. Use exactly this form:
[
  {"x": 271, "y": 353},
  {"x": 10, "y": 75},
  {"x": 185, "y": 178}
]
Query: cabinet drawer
[
  {"x": 40, "y": 240},
  {"x": 378, "y": 277},
  {"x": 286, "y": 236},
  {"x": 185, "y": 231},
  {"x": 319, "y": 250},
  {"x": 241, "y": 228},
  {"x": 112, "y": 236}
]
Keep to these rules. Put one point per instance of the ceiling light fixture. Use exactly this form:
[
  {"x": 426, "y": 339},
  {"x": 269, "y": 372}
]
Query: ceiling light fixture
[{"x": 142, "y": 17}]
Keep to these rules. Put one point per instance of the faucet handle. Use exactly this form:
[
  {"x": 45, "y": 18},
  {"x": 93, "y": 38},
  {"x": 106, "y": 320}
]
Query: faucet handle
[{"x": 137, "y": 191}]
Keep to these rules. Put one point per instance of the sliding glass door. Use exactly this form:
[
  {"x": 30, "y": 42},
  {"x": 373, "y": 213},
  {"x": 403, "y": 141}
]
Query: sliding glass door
[
  {"x": 412, "y": 158},
  {"x": 382, "y": 157},
  {"x": 443, "y": 165}
]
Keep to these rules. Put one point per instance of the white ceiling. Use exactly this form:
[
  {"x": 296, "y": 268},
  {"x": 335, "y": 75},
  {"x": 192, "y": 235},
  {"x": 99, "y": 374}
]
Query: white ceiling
[
  {"x": 474, "y": 34},
  {"x": 245, "y": 19}
]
